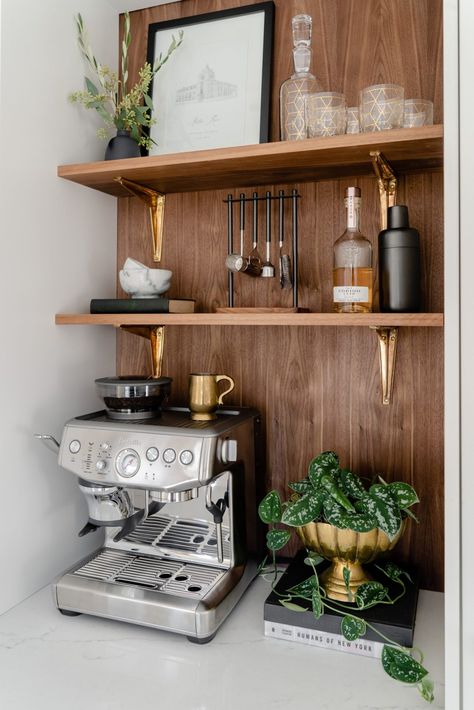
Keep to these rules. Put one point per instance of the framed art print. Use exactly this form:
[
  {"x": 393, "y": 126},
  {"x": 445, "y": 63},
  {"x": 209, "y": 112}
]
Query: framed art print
[{"x": 214, "y": 92}]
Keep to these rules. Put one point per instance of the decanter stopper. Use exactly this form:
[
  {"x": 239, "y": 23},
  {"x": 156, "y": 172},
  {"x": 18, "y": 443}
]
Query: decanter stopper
[{"x": 301, "y": 26}]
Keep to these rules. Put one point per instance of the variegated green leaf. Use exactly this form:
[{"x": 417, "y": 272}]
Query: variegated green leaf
[
  {"x": 276, "y": 539},
  {"x": 301, "y": 487},
  {"x": 317, "y": 603},
  {"x": 327, "y": 484},
  {"x": 304, "y": 510},
  {"x": 326, "y": 463},
  {"x": 404, "y": 494},
  {"x": 313, "y": 559},
  {"x": 351, "y": 484},
  {"x": 346, "y": 573},
  {"x": 353, "y": 628},
  {"x": 394, "y": 572},
  {"x": 360, "y": 522},
  {"x": 291, "y": 605},
  {"x": 305, "y": 588},
  {"x": 381, "y": 505},
  {"x": 269, "y": 509},
  {"x": 369, "y": 593},
  {"x": 426, "y": 690},
  {"x": 334, "y": 514},
  {"x": 401, "y": 666}
]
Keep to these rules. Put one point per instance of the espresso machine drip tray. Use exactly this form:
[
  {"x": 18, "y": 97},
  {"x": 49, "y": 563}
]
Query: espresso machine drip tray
[
  {"x": 150, "y": 573},
  {"x": 177, "y": 534}
]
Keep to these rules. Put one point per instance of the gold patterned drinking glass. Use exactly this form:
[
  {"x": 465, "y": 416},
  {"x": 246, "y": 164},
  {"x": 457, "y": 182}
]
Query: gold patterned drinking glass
[
  {"x": 417, "y": 112},
  {"x": 325, "y": 114},
  {"x": 204, "y": 397},
  {"x": 381, "y": 107},
  {"x": 353, "y": 124}
]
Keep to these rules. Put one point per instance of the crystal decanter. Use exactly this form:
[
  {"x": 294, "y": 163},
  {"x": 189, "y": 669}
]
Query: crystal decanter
[{"x": 293, "y": 90}]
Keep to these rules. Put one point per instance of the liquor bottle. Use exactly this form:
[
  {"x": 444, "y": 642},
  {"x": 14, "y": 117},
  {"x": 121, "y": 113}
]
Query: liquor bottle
[
  {"x": 302, "y": 82},
  {"x": 352, "y": 273}
]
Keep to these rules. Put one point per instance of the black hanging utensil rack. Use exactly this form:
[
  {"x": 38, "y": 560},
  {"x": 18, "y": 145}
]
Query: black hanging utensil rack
[{"x": 293, "y": 197}]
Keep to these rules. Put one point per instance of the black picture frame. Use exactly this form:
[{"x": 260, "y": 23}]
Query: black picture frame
[{"x": 262, "y": 13}]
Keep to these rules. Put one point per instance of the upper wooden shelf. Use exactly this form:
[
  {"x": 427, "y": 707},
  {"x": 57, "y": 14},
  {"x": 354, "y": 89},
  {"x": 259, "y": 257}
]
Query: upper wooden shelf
[
  {"x": 260, "y": 319},
  {"x": 266, "y": 163}
]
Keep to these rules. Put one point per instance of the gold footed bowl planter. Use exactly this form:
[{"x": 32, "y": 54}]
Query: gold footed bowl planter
[{"x": 345, "y": 548}]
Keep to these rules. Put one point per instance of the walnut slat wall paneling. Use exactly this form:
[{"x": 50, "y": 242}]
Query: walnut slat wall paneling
[{"x": 318, "y": 388}]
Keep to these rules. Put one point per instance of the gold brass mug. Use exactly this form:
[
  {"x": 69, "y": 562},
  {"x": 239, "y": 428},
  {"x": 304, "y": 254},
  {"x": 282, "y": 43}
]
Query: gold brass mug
[{"x": 203, "y": 394}]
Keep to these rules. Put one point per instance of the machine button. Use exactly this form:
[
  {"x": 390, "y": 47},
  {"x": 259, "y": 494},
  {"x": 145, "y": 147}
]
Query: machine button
[
  {"x": 186, "y": 457},
  {"x": 229, "y": 451},
  {"x": 152, "y": 453},
  {"x": 101, "y": 465},
  {"x": 75, "y": 446},
  {"x": 169, "y": 455},
  {"x": 104, "y": 446},
  {"x": 127, "y": 463}
]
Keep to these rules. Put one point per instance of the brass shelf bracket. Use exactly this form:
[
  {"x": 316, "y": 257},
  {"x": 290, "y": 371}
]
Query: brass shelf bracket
[
  {"x": 156, "y": 335},
  {"x": 388, "y": 340},
  {"x": 155, "y": 201},
  {"x": 387, "y": 183}
]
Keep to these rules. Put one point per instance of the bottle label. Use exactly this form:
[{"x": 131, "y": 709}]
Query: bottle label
[
  {"x": 353, "y": 207},
  {"x": 351, "y": 294}
]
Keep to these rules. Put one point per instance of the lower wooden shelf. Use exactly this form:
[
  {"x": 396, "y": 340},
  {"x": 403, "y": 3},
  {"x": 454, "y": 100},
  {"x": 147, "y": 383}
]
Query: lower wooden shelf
[{"x": 248, "y": 319}]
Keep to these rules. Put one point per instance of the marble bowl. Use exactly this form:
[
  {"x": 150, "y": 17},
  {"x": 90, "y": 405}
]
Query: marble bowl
[{"x": 145, "y": 283}]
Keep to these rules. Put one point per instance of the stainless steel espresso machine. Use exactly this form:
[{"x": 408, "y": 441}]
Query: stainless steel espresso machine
[{"x": 177, "y": 499}]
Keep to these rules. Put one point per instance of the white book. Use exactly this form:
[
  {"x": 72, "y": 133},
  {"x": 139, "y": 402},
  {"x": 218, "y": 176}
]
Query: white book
[{"x": 323, "y": 639}]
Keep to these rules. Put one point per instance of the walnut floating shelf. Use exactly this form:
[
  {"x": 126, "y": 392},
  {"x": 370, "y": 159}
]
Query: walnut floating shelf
[
  {"x": 265, "y": 163},
  {"x": 249, "y": 319}
]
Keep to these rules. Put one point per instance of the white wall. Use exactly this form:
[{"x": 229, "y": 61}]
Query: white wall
[
  {"x": 57, "y": 251},
  {"x": 466, "y": 32},
  {"x": 452, "y": 365}
]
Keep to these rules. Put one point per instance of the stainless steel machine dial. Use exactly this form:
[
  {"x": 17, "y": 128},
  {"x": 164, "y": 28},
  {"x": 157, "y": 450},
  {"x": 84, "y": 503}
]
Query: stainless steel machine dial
[
  {"x": 169, "y": 455},
  {"x": 127, "y": 463},
  {"x": 75, "y": 446},
  {"x": 152, "y": 453},
  {"x": 186, "y": 457},
  {"x": 101, "y": 465}
]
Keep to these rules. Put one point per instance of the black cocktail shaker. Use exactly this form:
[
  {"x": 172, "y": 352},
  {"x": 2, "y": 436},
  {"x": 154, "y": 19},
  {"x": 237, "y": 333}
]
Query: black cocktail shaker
[{"x": 399, "y": 264}]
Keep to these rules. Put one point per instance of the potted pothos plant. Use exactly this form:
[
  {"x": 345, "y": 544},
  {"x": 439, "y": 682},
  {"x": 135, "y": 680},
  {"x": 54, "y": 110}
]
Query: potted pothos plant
[
  {"x": 339, "y": 518},
  {"x": 128, "y": 108}
]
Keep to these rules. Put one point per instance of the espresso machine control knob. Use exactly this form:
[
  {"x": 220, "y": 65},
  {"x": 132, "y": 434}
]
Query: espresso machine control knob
[
  {"x": 229, "y": 451},
  {"x": 169, "y": 455},
  {"x": 101, "y": 465},
  {"x": 186, "y": 457},
  {"x": 127, "y": 463},
  {"x": 75, "y": 446},
  {"x": 152, "y": 453}
]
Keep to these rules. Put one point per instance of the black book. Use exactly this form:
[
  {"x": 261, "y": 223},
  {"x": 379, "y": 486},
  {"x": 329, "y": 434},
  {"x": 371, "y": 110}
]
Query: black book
[
  {"x": 395, "y": 621},
  {"x": 160, "y": 304}
]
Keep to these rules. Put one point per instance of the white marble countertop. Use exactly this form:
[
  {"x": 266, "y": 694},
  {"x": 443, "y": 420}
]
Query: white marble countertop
[{"x": 53, "y": 662}]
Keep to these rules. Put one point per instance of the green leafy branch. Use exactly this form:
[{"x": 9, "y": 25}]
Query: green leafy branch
[{"x": 126, "y": 109}]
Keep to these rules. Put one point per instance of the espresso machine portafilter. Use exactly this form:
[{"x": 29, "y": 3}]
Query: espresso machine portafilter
[{"x": 177, "y": 500}]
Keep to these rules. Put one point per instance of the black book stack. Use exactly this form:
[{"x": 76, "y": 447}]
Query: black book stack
[{"x": 395, "y": 621}]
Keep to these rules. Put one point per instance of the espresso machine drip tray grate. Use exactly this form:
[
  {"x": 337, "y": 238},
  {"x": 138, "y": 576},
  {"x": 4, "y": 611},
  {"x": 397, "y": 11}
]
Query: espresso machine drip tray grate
[
  {"x": 195, "y": 536},
  {"x": 182, "y": 579}
]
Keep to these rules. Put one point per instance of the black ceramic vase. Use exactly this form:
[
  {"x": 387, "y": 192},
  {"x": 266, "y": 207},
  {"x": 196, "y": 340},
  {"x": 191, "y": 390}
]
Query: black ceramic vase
[{"x": 122, "y": 146}]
